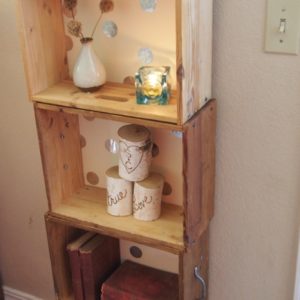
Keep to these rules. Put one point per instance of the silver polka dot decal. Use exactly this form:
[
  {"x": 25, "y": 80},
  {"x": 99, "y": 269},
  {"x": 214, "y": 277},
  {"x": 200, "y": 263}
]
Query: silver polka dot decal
[
  {"x": 112, "y": 146},
  {"x": 110, "y": 29},
  {"x": 145, "y": 55},
  {"x": 148, "y": 5}
]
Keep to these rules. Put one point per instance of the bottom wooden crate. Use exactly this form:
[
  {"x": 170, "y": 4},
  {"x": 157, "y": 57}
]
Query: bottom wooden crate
[{"x": 60, "y": 234}]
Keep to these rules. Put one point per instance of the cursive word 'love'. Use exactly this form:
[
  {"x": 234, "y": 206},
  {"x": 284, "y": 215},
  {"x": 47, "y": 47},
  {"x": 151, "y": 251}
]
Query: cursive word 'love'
[{"x": 138, "y": 205}]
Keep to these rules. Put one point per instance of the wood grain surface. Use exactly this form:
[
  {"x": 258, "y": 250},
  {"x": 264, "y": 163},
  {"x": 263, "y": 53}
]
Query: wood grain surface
[
  {"x": 196, "y": 255},
  {"x": 87, "y": 209},
  {"x": 199, "y": 171},
  {"x": 41, "y": 31},
  {"x": 113, "y": 98},
  {"x": 59, "y": 235},
  {"x": 59, "y": 139}
]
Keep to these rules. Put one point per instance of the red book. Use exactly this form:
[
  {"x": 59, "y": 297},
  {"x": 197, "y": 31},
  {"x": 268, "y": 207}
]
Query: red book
[
  {"x": 138, "y": 282},
  {"x": 99, "y": 258},
  {"x": 73, "y": 251}
]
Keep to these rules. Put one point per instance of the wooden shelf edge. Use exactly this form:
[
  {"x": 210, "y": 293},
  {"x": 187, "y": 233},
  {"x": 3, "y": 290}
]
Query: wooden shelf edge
[
  {"x": 158, "y": 244},
  {"x": 111, "y": 98},
  {"x": 108, "y": 116}
]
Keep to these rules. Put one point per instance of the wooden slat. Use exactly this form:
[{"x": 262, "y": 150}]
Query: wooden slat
[
  {"x": 179, "y": 71},
  {"x": 61, "y": 154},
  {"x": 59, "y": 236},
  {"x": 196, "y": 255},
  {"x": 43, "y": 43},
  {"x": 196, "y": 55},
  {"x": 87, "y": 210},
  {"x": 118, "y": 99},
  {"x": 106, "y": 116},
  {"x": 199, "y": 171}
]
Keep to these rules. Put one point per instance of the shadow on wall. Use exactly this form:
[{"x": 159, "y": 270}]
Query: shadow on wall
[{"x": 1, "y": 289}]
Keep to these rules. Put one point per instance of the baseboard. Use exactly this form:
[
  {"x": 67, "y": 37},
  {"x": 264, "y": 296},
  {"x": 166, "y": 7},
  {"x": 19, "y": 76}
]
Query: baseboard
[
  {"x": 12, "y": 294},
  {"x": 297, "y": 280}
]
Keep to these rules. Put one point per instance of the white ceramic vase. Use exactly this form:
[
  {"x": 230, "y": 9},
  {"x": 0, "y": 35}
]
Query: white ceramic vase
[{"x": 88, "y": 73}]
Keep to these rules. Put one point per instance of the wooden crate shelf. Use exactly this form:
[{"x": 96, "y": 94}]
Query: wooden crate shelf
[
  {"x": 181, "y": 230},
  {"x": 59, "y": 135},
  {"x": 90, "y": 114},
  {"x": 112, "y": 98},
  {"x": 45, "y": 49},
  {"x": 87, "y": 209}
]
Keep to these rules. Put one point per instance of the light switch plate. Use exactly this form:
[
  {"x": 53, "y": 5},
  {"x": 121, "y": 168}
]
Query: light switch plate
[{"x": 287, "y": 14}]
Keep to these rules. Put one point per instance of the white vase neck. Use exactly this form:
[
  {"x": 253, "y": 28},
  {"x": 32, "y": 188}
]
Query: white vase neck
[{"x": 86, "y": 40}]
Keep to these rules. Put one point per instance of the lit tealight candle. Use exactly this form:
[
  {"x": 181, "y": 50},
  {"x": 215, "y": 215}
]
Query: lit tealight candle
[{"x": 152, "y": 86}]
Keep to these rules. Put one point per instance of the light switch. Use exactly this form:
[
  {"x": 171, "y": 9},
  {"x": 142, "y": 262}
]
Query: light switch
[{"x": 283, "y": 26}]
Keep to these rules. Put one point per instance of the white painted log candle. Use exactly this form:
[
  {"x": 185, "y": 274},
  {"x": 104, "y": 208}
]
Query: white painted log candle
[
  {"x": 135, "y": 153},
  {"x": 119, "y": 193},
  {"x": 147, "y": 198}
]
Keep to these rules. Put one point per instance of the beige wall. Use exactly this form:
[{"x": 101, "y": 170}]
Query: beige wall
[
  {"x": 253, "y": 234},
  {"x": 24, "y": 259}
]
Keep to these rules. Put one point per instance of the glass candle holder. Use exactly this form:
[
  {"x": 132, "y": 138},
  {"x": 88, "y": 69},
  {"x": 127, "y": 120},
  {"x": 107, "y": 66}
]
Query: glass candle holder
[{"x": 152, "y": 85}]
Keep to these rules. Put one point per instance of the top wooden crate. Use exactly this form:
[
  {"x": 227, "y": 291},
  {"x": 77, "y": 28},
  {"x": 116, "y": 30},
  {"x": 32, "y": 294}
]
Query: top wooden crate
[{"x": 46, "y": 64}]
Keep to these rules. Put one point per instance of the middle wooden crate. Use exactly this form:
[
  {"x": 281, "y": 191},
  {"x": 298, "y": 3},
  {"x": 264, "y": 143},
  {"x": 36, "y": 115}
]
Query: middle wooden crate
[
  {"x": 76, "y": 182},
  {"x": 74, "y": 165}
]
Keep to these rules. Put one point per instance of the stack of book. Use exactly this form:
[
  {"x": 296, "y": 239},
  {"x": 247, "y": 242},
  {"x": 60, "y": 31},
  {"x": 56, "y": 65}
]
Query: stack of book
[
  {"x": 93, "y": 258},
  {"x": 132, "y": 281}
]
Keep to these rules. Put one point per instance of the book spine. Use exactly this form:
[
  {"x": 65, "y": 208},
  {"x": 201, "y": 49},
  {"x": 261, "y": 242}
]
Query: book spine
[
  {"x": 88, "y": 277},
  {"x": 76, "y": 274},
  {"x": 97, "y": 266}
]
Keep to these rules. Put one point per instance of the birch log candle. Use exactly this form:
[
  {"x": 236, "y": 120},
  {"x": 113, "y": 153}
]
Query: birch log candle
[
  {"x": 135, "y": 153},
  {"x": 147, "y": 198},
  {"x": 119, "y": 193}
]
